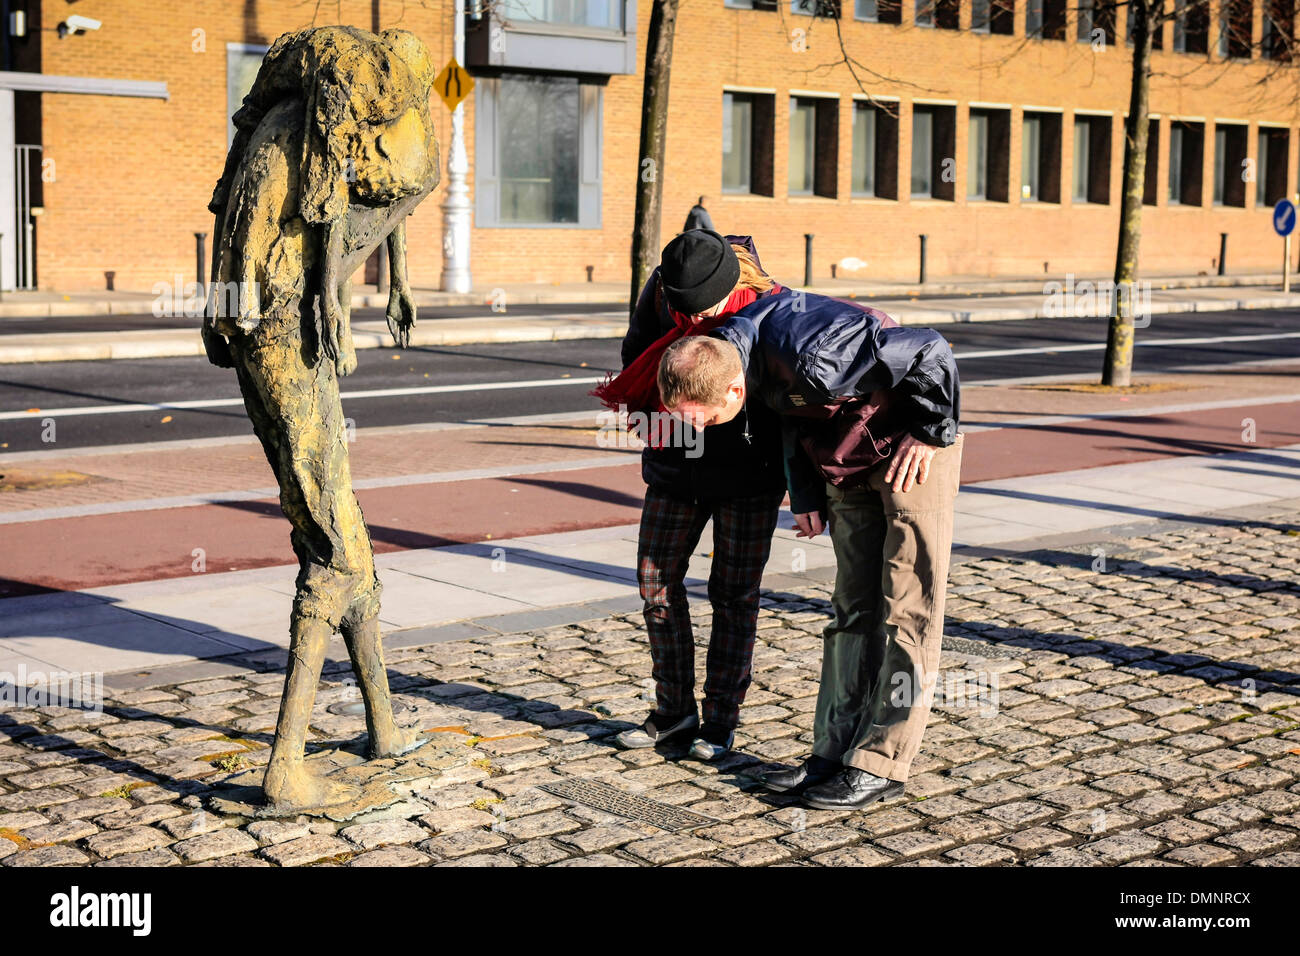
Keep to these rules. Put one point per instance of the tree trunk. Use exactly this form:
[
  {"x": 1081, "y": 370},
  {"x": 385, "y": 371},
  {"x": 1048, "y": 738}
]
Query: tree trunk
[
  {"x": 654, "y": 129},
  {"x": 1118, "y": 367}
]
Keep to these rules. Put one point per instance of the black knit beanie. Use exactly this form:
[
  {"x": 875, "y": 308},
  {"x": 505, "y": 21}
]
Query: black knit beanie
[{"x": 699, "y": 269}]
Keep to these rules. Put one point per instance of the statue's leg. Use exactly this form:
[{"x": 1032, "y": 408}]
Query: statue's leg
[
  {"x": 296, "y": 414},
  {"x": 288, "y": 784},
  {"x": 365, "y": 647}
]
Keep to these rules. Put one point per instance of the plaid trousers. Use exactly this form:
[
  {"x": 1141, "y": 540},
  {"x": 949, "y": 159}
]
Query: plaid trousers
[{"x": 742, "y": 540}]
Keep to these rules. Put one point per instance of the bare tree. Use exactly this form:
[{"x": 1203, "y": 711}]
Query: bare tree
[
  {"x": 1117, "y": 368},
  {"x": 1146, "y": 19}
]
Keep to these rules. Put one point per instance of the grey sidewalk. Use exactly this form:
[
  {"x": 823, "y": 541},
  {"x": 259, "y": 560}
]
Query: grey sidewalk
[
  {"x": 972, "y": 305},
  {"x": 549, "y": 580}
]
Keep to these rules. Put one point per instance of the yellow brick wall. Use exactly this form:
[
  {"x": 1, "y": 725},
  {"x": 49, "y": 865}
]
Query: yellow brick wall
[{"x": 134, "y": 175}]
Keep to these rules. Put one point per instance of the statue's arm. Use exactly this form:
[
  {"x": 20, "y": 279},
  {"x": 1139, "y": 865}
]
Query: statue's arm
[
  {"x": 401, "y": 304},
  {"x": 336, "y": 335},
  {"x": 214, "y": 343}
]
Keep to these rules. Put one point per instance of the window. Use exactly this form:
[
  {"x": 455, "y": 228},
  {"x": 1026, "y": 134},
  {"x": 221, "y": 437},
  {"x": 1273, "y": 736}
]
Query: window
[
  {"x": 1130, "y": 27},
  {"x": 747, "y": 143},
  {"x": 1236, "y": 28},
  {"x": 737, "y": 142},
  {"x": 922, "y": 153},
  {"x": 1186, "y": 158},
  {"x": 1151, "y": 187},
  {"x": 879, "y": 11},
  {"x": 988, "y": 147},
  {"x": 1081, "y": 180},
  {"x": 819, "y": 8},
  {"x": 942, "y": 14},
  {"x": 993, "y": 16},
  {"x": 600, "y": 14},
  {"x": 1045, "y": 19},
  {"x": 242, "y": 63},
  {"x": 1279, "y": 19},
  {"x": 1230, "y": 164},
  {"x": 1192, "y": 26},
  {"x": 803, "y": 139},
  {"x": 1097, "y": 15},
  {"x": 933, "y": 140},
  {"x": 537, "y": 151},
  {"x": 875, "y": 150},
  {"x": 1270, "y": 166},
  {"x": 977, "y": 156},
  {"x": 814, "y": 146},
  {"x": 1092, "y": 159},
  {"x": 1040, "y": 157}
]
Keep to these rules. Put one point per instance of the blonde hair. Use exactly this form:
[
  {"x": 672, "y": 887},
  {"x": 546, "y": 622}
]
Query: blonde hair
[
  {"x": 697, "y": 369},
  {"x": 752, "y": 275}
]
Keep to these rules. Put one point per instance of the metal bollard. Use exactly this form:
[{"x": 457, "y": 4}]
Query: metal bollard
[
  {"x": 590, "y": 270},
  {"x": 108, "y": 280},
  {"x": 807, "y": 258},
  {"x": 1223, "y": 252},
  {"x": 199, "y": 258},
  {"x": 922, "y": 278}
]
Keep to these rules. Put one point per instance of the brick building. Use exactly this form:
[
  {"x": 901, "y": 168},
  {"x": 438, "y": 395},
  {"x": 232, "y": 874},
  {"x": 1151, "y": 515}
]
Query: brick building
[{"x": 995, "y": 130}]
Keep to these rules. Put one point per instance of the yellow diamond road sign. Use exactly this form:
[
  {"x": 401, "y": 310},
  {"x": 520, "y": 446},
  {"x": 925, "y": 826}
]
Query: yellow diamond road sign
[{"x": 453, "y": 84}]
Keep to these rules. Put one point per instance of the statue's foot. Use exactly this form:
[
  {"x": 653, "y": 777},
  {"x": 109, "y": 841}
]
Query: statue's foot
[
  {"x": 300, "y": 789},
  {"x": 395, "y": 742}
]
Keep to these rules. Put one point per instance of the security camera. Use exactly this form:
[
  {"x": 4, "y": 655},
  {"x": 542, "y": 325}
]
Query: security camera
[{"x": 77, "y": 24}]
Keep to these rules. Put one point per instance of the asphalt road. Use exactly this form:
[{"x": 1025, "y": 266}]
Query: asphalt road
[{"x": 488, "y": 380}]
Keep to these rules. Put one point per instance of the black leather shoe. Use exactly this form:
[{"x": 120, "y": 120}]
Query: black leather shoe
[
  {"x": 852, "y": 789},
  {"x": 811, "y": 772}
]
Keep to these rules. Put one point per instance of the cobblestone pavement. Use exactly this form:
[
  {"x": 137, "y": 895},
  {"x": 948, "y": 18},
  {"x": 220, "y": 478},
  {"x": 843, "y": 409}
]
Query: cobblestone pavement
[{"x": 1146, "y": 714}]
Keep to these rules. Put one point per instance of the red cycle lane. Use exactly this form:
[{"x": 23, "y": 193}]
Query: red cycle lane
[{"x": 98, "y": 550}]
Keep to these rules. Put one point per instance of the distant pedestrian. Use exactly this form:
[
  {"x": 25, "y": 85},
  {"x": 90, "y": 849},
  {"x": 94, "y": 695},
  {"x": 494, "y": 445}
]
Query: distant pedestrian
[{"x": 698, "y": 218}]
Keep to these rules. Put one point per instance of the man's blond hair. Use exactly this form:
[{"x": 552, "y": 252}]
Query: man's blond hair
[{"x": 697, "y": 369}]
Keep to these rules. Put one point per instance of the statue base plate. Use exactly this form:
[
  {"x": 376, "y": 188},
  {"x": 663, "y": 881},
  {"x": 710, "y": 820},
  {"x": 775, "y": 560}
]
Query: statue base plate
[{"x": 376, "y": 780}]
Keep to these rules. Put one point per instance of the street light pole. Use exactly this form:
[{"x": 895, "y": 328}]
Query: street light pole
[{"x": 455, "y": 205}]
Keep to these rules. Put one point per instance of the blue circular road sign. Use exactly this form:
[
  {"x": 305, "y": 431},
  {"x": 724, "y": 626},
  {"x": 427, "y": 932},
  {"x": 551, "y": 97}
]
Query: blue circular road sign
[{"x": 1284, "y": 217}]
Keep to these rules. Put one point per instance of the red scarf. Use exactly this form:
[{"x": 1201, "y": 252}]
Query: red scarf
[{"x": 636, "y": 388}]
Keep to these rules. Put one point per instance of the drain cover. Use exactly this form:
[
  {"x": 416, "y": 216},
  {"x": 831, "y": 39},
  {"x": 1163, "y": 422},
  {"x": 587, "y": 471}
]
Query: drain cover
[
  {"x": 964, "y": 645},
  {"x": 601, "y": 796}
]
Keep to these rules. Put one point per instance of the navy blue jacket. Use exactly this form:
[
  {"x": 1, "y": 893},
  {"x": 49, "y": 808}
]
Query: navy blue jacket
[
  {"x": 740, "y": 459},
  {"x": 804, "y": 353}
]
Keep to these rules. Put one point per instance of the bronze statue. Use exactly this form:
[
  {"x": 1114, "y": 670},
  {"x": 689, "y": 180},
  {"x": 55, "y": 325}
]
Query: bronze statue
[{"x": 334, "y": 147}]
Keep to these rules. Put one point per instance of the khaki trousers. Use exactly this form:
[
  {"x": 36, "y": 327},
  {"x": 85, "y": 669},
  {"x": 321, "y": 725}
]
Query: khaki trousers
[{"x": 881, "y": 657}]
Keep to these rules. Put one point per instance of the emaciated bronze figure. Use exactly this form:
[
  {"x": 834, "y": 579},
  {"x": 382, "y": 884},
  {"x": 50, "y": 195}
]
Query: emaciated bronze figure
[{"x": 334, "y": 148}]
